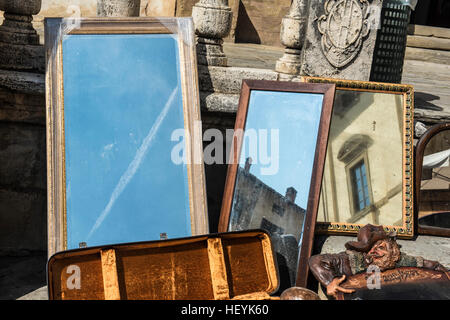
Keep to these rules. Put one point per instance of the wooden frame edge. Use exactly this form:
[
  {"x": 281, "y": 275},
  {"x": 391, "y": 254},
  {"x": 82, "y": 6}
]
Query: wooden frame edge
[
  {"x": 328, "y": 90},
  {"x": 420, "y": 150}
]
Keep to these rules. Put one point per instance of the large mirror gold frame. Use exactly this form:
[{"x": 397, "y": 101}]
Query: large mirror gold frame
[
  {"x": 125, "y": 159},
  {"x": 368, "y": 175}
]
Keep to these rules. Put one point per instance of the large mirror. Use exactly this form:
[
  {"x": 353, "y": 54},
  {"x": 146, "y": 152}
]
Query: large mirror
[
  {"x": 433, "y": 181},
  {"x": 367, "y": 177},
  {"x": 121, "y": 93},
  {"x": 276, "y": 166}
]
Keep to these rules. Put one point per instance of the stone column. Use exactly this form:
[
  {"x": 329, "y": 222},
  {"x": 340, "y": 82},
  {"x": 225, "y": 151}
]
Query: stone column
[
  {"x": 212, "y": 20},
  {"x": 292, "y": 34},
  {"x": 118, "y": 8},
  {"x": 23, "y": 180},
  {"x": 19, "y": 42}
]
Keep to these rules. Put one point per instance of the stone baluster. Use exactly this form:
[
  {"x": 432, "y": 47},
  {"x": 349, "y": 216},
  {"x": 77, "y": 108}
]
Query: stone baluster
[
  {"x": 292, "y": 33},
  {"x": 212, "y": 20},
  {"x": 118, "y": 8},
  {"x": 19, "y": 41},
  {"x": 22, "y": 132}
]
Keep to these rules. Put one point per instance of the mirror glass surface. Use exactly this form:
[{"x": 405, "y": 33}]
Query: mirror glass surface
[
  {"x": 362, "y": 181},
  {"x": 274, "y": 172},
  {"x": 122, "y": 101},
  {"x": 434, "y": 201}
]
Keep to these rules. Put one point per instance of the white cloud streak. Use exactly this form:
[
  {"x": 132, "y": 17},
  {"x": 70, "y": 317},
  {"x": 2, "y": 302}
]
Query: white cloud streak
[{"x": 134, "y": 165}]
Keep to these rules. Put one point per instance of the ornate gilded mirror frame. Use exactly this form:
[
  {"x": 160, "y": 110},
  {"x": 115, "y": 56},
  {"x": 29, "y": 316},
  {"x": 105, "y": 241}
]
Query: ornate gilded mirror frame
[{"x": 406, "y": 229}]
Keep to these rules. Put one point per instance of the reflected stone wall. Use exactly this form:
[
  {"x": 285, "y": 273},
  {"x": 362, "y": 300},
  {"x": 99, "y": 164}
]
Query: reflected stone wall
[
  {"x": 257, "y": 206},
  {"x": 366, "y": 117}
]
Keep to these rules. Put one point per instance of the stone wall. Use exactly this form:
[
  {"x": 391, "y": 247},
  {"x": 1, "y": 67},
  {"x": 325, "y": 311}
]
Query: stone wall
[
  {"x": 260, "y": 206},
  {"x": 22, "y": 133},
  {"x": 23, "y": 219},
  {"x": 88, "y": 8},
  {"x": 254, "y": 21},
  {"x": 259, "y": 21},
  {"x": 184, "y": 7}
]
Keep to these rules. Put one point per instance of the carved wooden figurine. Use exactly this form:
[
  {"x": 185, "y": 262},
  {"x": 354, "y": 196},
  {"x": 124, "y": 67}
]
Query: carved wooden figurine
[{"x": 374, "y": 250}]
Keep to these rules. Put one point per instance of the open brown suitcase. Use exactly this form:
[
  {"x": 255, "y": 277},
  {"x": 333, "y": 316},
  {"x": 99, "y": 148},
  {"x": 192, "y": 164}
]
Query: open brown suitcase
[{"x": 232, "y": 265}]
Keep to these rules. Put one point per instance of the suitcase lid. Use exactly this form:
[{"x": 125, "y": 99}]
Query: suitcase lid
[{"x": 215, "y": 266}]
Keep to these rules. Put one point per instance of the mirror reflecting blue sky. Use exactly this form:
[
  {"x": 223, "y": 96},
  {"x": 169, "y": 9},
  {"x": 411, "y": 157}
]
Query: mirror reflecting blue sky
[
  {"x": 296, "y": 116},
  {"x": 275, "y": 168},
  {"x": 122, "y": 100}
]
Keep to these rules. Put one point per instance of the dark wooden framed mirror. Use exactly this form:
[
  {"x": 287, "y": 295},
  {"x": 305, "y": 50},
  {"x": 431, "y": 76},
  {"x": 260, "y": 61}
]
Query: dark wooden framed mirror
[
  {"x": 280, "y": 196},
  {"x": 432, "y": 181}
]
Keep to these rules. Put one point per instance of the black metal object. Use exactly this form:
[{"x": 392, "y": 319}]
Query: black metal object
[
  {"x": 405, "y": 291},
  {"x": 390, "y": 46}
]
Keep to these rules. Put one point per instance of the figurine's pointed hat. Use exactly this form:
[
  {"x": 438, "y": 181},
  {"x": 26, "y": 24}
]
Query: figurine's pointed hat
[{"x": 367, "y": 236}]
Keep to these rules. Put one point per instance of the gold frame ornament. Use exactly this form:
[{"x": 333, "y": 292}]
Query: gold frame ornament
[{"x": 406, "y": 230}]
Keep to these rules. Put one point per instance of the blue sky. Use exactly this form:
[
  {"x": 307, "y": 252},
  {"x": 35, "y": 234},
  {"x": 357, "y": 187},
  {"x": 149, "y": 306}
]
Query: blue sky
[
  {"x": 297, "y": 117},
  {"x": 122, "y": 100}
]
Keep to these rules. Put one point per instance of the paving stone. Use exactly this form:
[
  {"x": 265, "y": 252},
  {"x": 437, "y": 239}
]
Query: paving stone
[
  {"x": 21, "y": 276},
  {"x": 39, "y": 294}
]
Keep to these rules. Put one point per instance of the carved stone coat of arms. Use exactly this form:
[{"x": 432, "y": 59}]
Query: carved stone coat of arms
[{"x": 343, "y": 27}]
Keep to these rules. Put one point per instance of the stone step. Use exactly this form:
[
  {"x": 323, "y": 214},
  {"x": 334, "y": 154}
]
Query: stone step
[
  {"x": 432, "y": 97},
  {"x": 429, "y": 55},
  {"x": 26, "y": 82},
  {"x": 229, "y": 80},
  {"x": 427, "y": 31},
  {"x": 425, "y": 43},
  {"x": 428, "y": 42},
  {"x": 431, "y": 117},
  {"x": 219, "y": 102}
]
